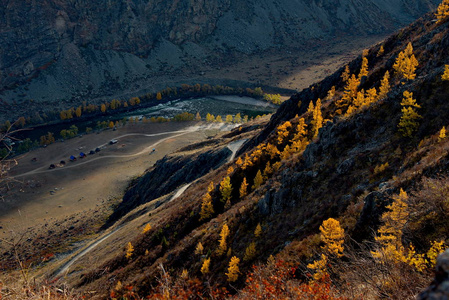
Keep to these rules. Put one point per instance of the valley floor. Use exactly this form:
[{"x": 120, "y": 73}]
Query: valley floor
[{"x": 42, "y": 196}]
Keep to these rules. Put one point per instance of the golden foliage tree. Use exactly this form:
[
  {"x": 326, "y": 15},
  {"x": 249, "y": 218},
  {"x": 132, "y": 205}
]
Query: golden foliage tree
[
  {"x": 205, "y": 266},
  {"x": 258, "y": 230},
  {"x": 129, "y": 250},
  {"x": 317, "y": 118},
  {"x": 199, "y": 248},
  {"x": 310, "y": 108},
  {"x": 384, "y": 86},
  {"x": 283, "y": 131},
  {"x": 333, "y": 237},
  {"x": 381, "y": 51},
  {"x": 409, "y": 119},
  {"x": 158, "y": 96},
  {"x": 103, "y": 108},
  {"x": 146, "y": 228},
  {"x": 406, "y": 63},
  {"x": 226, "y": 189},
  {"x": 445, "y": 75},
  {"x": 218, "y": 119},
  {"x": 197, "y": 117},
  {"x": 442, "y": 11},
  {"x": 349, "y": 93},
  {"x": 243, "y": 191},
  {"x": 207, "y": 209},
  {"x": 258, "y": 180},
  {"x": 233, "y": 269},
  {"x": 250, "y": 252},
  {"x": 390, "y": 233},
  {"x": 363, "y": 68},
  {"x": 78, "y": 111},
  {"x": 229, "y": 119},
  {"x": 222, "y": 244},
  {"x": 346, "y": 74},
  {"x": 442, "y": 134}
]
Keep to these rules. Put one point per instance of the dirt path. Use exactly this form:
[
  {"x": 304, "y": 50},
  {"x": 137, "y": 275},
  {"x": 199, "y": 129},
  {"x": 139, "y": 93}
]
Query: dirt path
[
  {"x": 65, "y": 267},
  {"x": 234, "y": 147},
  {"x": 180, "y": 132}
]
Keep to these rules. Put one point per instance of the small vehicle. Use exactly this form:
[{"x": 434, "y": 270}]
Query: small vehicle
[
  {"x": 52, "y": 166},
  {"x": 91, "y": 152},
  {"x": 97, "y": 149},
  {"x": 113, "y": 141},
  {"x": 34, "y": 159},
  {"x": 62, "y": 162}
]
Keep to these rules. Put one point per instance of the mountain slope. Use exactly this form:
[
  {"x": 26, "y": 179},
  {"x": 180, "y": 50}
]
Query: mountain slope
[
  {"x": 351, "y": 171},
  {"x": 76, "y": 50}
]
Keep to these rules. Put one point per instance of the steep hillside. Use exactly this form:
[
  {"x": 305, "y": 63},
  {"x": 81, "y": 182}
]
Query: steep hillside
[
  {"x": 78, "y": 50},
  {"x": 345, "y": 157}
]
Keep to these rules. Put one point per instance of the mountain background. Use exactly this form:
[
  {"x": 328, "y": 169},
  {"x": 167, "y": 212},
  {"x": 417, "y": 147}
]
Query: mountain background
[{"x": 72, "y": 51}]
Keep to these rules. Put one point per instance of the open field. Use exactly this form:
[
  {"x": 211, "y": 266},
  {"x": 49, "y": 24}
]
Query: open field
[{"x": 44, "y": 195}]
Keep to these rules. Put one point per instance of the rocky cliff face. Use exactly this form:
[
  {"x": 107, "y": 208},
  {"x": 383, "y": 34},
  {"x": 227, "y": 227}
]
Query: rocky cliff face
[{"x": 88, "y": 48}]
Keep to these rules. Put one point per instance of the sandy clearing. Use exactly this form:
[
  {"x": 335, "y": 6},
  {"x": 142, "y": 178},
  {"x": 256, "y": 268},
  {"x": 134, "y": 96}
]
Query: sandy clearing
[{"x": 49, "y": 195}]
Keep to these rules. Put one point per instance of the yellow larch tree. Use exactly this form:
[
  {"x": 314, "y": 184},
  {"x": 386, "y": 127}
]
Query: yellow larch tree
[
  {"x": 103, "y": 108},
  {"x": 271, "y": 150},
  {"x": 406, "y": 63},
  {"x": 283, "y": 131},
  {"x": 199, "y": 248},
  {"x": 333, "y": 237},
  {"x": 442, "y": 11},
  {"x": 250, "y": 252},
  {"x": 78, "y": 112},
  {"x": 363, "y": 68},
  {"x": 258, "y": 230},
  {"x": 371, "y": 96},
  {"x": 381, "y": 51},
  {"x": 205, "y": 266},
  {"x": 129, "y": 250},
  {"x": 267, "y": 171},
  {"x": 226, "y": 190},
  {"x": 146, "y": 228},
  {"x": 258, "y": 180},
  {"x": 317, "y": 119},
  {"x": 207, "y": 209},
  {"x": 222, "y": 244},
  {"x": 299, "y": 141},
  {"x": 349, "y": 93},
  {"x": 233, "y": 269},
  {"x": 442, "y": 134},
  {"x": 409, "y": 119},
  {"x": 239, "y": 161},
  {"x": 331, "y": 93},
  {"x": 218, "y": 119},
  {"x": 434, "y": 251},
  {"x": 390, "y": 232},
  {"x": 384, "y": 86},
  {"x": 445, "y": 75},
  {"x": 230, "y": 170},
  {"x": 158, "y": 96},
  {"x": 243, "y": 191},
  {"x": 310, "y": 108},
  {"x": 346, "y": 74}
]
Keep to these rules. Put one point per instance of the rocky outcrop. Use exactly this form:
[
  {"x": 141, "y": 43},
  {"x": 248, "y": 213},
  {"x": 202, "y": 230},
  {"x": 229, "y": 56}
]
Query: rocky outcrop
[
  {"x": 168, "y": 174},
  {"x": 79, "y": 48}
]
